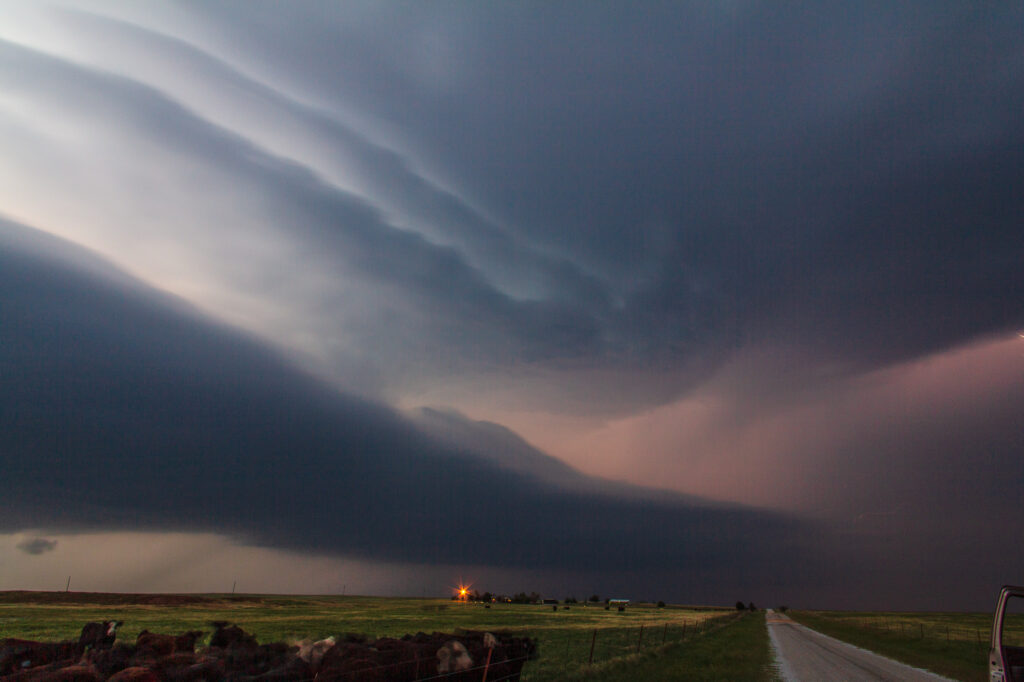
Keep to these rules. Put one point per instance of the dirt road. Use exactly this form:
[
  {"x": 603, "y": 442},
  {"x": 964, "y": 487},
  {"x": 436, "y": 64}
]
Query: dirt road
[{"x": 808, "y": 656}]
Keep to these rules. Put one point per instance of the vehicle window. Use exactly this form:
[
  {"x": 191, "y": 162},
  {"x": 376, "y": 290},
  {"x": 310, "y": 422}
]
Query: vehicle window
[{"x": 1013, "y": 623}]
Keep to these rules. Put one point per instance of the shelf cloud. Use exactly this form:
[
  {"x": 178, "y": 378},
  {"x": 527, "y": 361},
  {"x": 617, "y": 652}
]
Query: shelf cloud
[{"x": 338, "y": 258}]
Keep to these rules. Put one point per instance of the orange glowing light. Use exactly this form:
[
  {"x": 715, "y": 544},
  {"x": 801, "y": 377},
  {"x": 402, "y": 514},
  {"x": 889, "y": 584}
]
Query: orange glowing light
[{"x": 463, "y": 591}]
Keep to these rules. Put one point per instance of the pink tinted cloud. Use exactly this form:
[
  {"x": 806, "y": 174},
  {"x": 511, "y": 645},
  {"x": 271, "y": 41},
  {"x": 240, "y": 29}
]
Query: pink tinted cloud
[{"x": 770, "y": 429}]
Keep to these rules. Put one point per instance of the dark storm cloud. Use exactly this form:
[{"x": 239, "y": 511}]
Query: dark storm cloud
[
  {"x": 124, "y": 410},
  {"x": 728, "y": 238},
  {"x": 37, "y": 546},
  {"x": 337, "y": 149},
  {"x": 577, "y": 188},
  {"x": 423, "y": 284},
  {"x": 845, "y": 177}
]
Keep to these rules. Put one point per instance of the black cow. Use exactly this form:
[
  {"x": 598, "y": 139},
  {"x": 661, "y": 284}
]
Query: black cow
[{"x": 99, "y": 635}]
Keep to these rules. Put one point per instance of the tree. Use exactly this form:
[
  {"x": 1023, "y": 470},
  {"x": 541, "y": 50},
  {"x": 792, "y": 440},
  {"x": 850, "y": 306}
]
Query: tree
[
  {"x": 740, "y": 606},
  {"x": 752, "y": 607},
  {"x": 594, "y": 597}
]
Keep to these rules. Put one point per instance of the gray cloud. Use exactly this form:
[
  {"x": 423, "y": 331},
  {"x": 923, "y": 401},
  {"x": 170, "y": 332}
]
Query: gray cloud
[
  {"x": 125, "y": 411},
  {"x": 36, "y": 546},
  {"x": 563, "y": 212},
  {"x": 606, "y": 213}
]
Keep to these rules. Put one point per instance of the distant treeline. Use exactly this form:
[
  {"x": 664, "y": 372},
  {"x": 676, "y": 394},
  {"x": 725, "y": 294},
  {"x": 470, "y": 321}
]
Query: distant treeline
[{"x": 518, "y": 598}]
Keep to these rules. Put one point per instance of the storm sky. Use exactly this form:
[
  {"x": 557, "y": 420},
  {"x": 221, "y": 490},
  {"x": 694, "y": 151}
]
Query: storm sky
[{"x": 694, "y": 301}]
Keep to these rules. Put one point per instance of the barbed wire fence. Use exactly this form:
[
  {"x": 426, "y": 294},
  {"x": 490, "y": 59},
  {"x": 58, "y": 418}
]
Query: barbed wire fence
[
  {"x": 592, "y": 646},
  {"x": 582, "y": 648},
  {"x": 913, "y": 629}
]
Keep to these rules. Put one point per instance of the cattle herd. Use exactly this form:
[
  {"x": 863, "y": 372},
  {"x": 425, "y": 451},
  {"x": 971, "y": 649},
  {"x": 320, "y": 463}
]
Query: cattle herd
[{"x": 235, "y": 656}]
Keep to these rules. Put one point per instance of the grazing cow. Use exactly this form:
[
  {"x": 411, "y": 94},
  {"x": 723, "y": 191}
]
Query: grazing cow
[
  {"x": 226, "y": 635},
  {"x": 99, "y": 635},
  {"x": 63, "y": 671},
  {"x": 508, "y": 654},
  {"x": 209, "y": 670},
  {"x": 112, "y": 660},
  {"x": 462, "y": 657},
  {"x": 135, "y": 674},
  {"x": 293, "y": 668},
  {"x": 164, "y": 645},
  {"x": 186, "y": 641},
  {"x": 453, "y": 657},
  {"x": 244, "y": 659},
  {"x": 313, "y": 652},
  {"x": 21, "y": 654}
]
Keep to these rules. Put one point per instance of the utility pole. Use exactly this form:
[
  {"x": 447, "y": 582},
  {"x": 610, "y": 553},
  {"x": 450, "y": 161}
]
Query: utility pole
[
  {"x": 233, "y": 586},
  {"x": 67, "y": 588}
]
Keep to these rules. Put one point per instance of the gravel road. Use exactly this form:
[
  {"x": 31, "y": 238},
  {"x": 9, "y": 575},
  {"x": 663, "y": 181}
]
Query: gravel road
[{"x": 808, "y": 656}]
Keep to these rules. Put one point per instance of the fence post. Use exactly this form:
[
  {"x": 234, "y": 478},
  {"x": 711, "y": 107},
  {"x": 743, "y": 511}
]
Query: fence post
[
  {"x": 593, "y": 641},
  {"x": 487, "y": 666},
  {"x": 640, "y": 640}
]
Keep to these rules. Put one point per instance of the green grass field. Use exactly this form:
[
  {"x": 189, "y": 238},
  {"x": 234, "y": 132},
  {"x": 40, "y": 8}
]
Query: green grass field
[
  {"x": 694, "y": 643},
  {"x": 951, "y": 644}
]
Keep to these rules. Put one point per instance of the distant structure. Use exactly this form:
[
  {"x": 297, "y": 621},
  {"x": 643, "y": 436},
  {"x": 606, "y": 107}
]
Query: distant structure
[{"x": 620, "y": 604}]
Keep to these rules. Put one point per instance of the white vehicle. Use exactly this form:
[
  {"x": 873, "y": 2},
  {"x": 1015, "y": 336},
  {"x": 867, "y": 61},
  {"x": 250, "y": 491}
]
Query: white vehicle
[{"x": 1006, "y": 656}]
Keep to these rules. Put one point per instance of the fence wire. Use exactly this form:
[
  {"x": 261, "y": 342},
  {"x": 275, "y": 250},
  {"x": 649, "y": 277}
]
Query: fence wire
[{"x": 595, "y": 645}]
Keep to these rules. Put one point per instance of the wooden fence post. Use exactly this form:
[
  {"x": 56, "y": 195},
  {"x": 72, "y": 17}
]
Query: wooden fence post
[
  {"x": 593, "y": 641},
  {"x": 640, "y": 640},
  {"x": 487, "y": 666}
]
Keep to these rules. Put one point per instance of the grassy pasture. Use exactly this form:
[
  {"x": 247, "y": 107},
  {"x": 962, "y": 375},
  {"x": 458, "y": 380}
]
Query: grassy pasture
[
  {"x": 672, "y": 635},
  {"x": 951, "y": 644},
  {"x": 734, "y": 648}
]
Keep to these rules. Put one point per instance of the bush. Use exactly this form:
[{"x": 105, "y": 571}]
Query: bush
[{"x": 661, "y": 604}]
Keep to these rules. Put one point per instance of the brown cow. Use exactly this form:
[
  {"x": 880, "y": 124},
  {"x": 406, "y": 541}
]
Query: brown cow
[
  {"x": 227, "y": 635},
  {"x": 21, "y": 654},
  {"x": 164, "y": 645},
  {"x": 135, "y": 674},
  {"x": 99, "y": 635}
]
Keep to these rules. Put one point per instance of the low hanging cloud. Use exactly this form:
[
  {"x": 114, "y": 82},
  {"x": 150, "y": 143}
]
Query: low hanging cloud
[
  {"x": 476, "y": 206},
  {"x": 36, "y": 546},
  {"x": 123, "y": 410}
]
